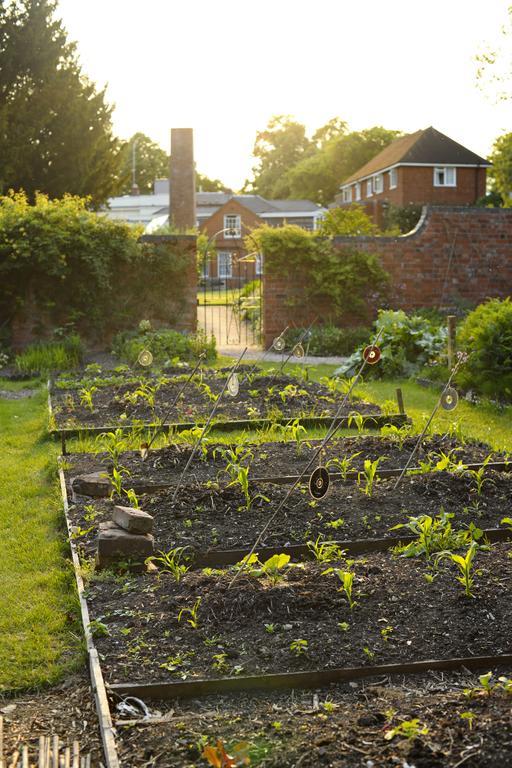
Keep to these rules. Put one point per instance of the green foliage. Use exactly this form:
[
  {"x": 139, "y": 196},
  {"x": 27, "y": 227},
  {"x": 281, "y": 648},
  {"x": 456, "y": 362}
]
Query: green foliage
[
  {"x": 56, "y": 133},
  {"x": 339, "y": 280},
  {"x": 164, "y": 344},
  {"x": 291, "y": 165},
  {"x": 349, "y": 220},
  {"x": 329, "y": 340},
  {"x": 501, "y": 171},
  {"x": 408, "y": 343},
  {"x": 151, "y": 162},
  {"x": 434, "y": 535},
  {"x": 51, "y": 357},
  {"x": 486, "y": 335},
  {"x": 403, "y": 218}
]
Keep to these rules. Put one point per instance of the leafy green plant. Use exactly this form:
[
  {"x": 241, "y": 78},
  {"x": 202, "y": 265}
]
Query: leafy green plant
[
  {"x": 465, "y": 567},
  {"x": 113, "y": 443},
  {"x": 98, "y": 628},
  {"x": 50, "y": 357},
  {"x": 478, "y": 475},
  {"x": 343, "y": 464},
  {"x": 172, "y": 562},
  {"x": 116, "y": 481},
  {"x": 434, "y": 535},
  {"x": 274, "y": 568},
  {"x": 293, "y": 431},
  {"x": 192, "y": 614},
  {"x": 325, "y": 551},
  {"x": 299, "y": 646},
  {"x": 366, "y": 479},
  {"x": 347, "y": 584},
  {"x": 86, "y": 397},
  {"x": 397, "y": 434},
  {"x": 356, "y": 418},
  {"x": 165, "y": 345},
  {"x": 409, "y": 729},
  {"x": 132, "y": 498}
]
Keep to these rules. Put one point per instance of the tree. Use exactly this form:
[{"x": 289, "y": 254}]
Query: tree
[
  {"x": 351, "y": 220},
  {"x": 501, "y": 172},
  {"x": 151, "y": 162},
  {"x": 278, "y": 148},
  {"x": 55, "y": 127},
  {"x": 204, "y": 184}
]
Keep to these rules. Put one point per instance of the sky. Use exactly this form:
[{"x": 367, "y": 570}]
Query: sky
[{"x": 224, "y": 67}]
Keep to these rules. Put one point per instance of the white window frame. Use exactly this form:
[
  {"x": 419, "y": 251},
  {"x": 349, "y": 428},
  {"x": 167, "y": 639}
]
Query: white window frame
[
  {"x": 347, "y": 194},
  {"x": 393, "y": 178},
  {"x": 224, "y": 258},
  {"x": 232, "y": 221},
  {"x": 258, "y": 267},
  {"x": 378, "y": 183},
  {"x": 369, "y": 188},
  {"x": 358, "y": 191},
  {"x": 445, "y": 170}
]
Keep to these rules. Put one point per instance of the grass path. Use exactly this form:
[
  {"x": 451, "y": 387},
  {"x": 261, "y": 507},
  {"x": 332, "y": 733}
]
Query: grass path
[{"x": 39, "y": 636}]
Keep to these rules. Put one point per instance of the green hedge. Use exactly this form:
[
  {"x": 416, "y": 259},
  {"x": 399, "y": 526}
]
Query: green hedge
[
  {"x": 329, "y": 340},
  {"x": 166, "y": 345}
]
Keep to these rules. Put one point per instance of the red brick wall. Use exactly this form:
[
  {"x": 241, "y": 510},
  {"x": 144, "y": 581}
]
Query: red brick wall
[{"x": 454, "y": 254}]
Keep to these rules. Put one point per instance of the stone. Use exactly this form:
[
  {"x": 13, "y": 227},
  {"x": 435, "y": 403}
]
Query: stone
[
  {"x": 132, "y": 520},
  {"x": 116, "y": 544},
  {"x": 95, "y": 484}
]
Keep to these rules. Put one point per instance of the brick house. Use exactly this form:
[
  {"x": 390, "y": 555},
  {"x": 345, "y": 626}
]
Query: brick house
[
  {"x": 216, "y": 211},
  {"x": 420, "y": 168}
]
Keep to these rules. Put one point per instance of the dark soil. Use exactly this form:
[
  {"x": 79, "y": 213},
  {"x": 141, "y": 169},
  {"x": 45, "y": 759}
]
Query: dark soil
[
  {"x": 336, "y": 727},
  {"x": 254, "y": 401},
  {"x": 249, "y": 627},
  {"x": 207, "y": 519},
  {"x": 276, "y": 459}
]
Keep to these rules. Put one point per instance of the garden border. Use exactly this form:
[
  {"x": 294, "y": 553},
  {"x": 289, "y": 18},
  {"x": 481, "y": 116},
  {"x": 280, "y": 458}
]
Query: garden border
[
  {"x": 97, "y": 681},
  {"x": 310, "y": 679}
]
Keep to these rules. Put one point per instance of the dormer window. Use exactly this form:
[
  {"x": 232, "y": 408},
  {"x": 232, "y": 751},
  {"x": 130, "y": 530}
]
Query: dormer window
[{"x": 445, "y": 176}]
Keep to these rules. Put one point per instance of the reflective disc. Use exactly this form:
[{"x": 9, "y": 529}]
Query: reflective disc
[
  {"x": 233, "y": 385},
  {"x": 278, "y": 343},
  {"x": 298, "y": 350},
  {"x": 319, "y": 483},
  {"x": 145, "y": 358},
  {"x": 371, "y": 354},
  {"x": 449, "y": 399}
]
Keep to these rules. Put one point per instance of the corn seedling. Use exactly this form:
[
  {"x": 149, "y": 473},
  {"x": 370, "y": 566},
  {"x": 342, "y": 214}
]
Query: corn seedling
[
  {"x": 343, "y": 465},
  {"x": 113, "y": 443},
  {"x": 207, "y": 391},
  {"x": 172, "y": 562},
  {"x": 464, "y": 565},
  {"x": 192, "y": 612},
  {"x": 116, "y": 481},
  {"x": 477, "y": 475},
  {"x": 447, "y": 462},
  {"x": 293, "y": 431},
  {"x": 469, "y": 717},
  {"x": 366, "y": 478},
  {"x": 356, "y": 418},
  {"x": 347, "y": 584},
  {"x": 434, "y": 535},
  {"x": 132, "y": 498},
  {"x": 325, "y": 551},
  {"x": 299, "y": 646},
  {"x": 86, "y": 397},
  {"x": 398, "y": 434}
]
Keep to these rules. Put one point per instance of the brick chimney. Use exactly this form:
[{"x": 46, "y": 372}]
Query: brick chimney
[{"x": 182, "y": 203}]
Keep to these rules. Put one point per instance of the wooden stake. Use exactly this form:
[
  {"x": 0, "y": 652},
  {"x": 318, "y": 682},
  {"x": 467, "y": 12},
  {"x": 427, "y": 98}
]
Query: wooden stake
[
  {"x": 1, "y": 741},
  {"x": 24, "y": 757},
  {"x": 76, "y": 754},
  {"x": 55, "y": 755},
  {"x": 400, "y": 401},
  {"x": 452, "y": 326}
]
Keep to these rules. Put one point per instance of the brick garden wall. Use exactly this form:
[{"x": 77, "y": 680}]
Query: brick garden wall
[{"x": 455, "y": 254}]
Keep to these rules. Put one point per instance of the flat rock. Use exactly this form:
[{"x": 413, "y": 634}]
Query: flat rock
[{"x": 133, "y": 520}]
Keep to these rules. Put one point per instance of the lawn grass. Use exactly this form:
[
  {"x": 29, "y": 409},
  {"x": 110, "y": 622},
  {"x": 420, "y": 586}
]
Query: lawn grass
[
  {"x": 39, "y": 635},
  {"x": 485, "y": 421}
]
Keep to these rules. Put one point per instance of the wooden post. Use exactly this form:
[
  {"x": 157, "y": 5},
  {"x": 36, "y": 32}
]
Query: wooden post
[
  {"x": 400, "y": 401},
  {"x": 452, "y": 325}
]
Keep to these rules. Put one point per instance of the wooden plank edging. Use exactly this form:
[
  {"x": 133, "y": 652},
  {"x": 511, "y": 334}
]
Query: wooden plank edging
[{"x": 98, "y": 684}]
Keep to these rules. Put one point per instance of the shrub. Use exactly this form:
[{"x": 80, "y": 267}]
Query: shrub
[
  {"x": 329, "y": 339},
  {"x": 486, "y": 334},
  {"x": 165, "y": 345},
  {"x": 407, "y": 344},
  {"x": 342, "y": 283},
  {"x": 45, "y": 358},
  {"x": 402, "y": 217}
]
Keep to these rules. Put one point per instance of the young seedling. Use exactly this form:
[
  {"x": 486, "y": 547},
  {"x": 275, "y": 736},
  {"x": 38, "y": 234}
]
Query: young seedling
[
  {"x": 299, "y": 646},
  {"x": 171, "y": 562},
  {"x": 86, "y": 397},
  {"x": 478, "y": 475},
  {"x": 366, "y": 478},
  {"x": 325, "y": 551},
  {"x": 409, "y": 729},
  {"x": 434, "y": 535},
  {"x": 347, "y": 583},
  {"x": 293, "y": 431},
  {"x": 465, "y": 565},
  {"x": 132, "y": 498},
  {"x": 343, "y": 465},
  {"x": 273, "y": 568},
  {"x": 397, "y": 434},
  {"x": 356, "y": 418},
  {"x": 113, "y": 443},
  {"x": 192, "y": 620},
  {"x": 116, "y": 481}
]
